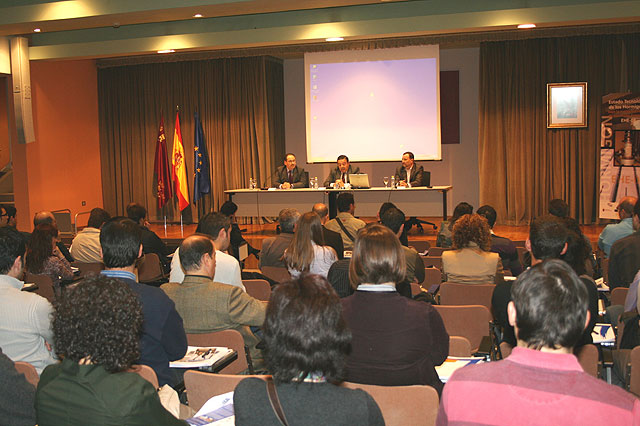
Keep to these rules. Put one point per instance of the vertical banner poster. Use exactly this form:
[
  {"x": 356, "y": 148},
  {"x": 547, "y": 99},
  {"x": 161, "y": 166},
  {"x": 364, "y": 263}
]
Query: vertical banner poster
[{"x": 619, "y": 151}]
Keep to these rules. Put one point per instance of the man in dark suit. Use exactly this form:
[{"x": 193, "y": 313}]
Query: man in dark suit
[
  {"x": 411, "y": 169},
  {"x": 501, "y": 245},
  {"x": 331, "y": 238},
  {"x": 273, "y": 247},
  {"x": 290, "y": 175},
  {"x": 340, "y": 175},
  {"x": 151, "y": 243}
]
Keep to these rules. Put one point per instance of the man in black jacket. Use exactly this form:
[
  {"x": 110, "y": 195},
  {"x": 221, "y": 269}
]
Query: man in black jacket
[
  {"x": 331, "y": 238},
  {"x": 290, "y": 175}
]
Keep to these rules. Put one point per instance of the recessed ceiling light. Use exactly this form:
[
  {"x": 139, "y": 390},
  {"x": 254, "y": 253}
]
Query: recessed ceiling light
[
  {"x": 334, "y": 38},
  {"x": 36, "y": 30},
  {"x": 198, "y": 15},
  {"x": 166, "y": 51},
  {"x": 525, "y": 26}
]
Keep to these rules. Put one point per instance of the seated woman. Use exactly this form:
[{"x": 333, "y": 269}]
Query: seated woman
[
  {"x": 43, "y": 257},
  {"x": 446, "y": 227},
  {"x": 97, "y": 327},
  {"x": 307, "y": 252},
  {"x": 396, "y": 340},
  {"x": 306, "y": 342},
  {"x": 470, "y": 261}
]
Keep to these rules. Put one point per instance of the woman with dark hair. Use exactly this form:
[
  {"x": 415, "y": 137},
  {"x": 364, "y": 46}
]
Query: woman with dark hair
[
  {"x": 396, "y": 340},
  {"x": 446, "y": 227},
  {"x": 306, "y": 342},
  {"x": 471, "y": 261},
  {"x": 97, "y": 326},
  {"x": 43, "y": 257},
  {"x": 307, "y": 252}
]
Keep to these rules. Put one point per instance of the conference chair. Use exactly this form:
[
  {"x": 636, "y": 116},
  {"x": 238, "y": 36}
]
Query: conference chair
[
  {"x": 259, "y": 289},
  {"x": 505, "y": 349},
  {"x": 420, "y": 245},
  {"x": 437, "y": 251},
  {"x": 87, "y": 269},
  {"x": 415, "y": 405},
  {"x": 415, "y": 289},
  {"x": 228, "y": 339},
  {"x": 588, "y": 357},
  {"x": 604, "y": 265},
  {"x": 44, "y": 283},
  {"x": 459, "y": 346},
  {"x": 634, "y": 376},
  {"x": 519, "y": 243},
  {"x": 29, "y": 371},
  {"x": 201, "y": 386},
  {"x": 466, "y": 294},
  {"x": 150, "y": 269},
  {"x": 432, "y": 261},
  {"x": 471, "y": 322},
  {"x": 146, "y": 373},
  {"x": 619, "y": 295},
  {"x": 432, "y": 279},
  {"x": 277, "y": 273}
]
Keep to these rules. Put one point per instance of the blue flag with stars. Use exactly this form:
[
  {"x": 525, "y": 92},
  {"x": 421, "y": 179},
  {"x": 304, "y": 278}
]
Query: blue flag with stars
[{"x": 201, "y": 184}]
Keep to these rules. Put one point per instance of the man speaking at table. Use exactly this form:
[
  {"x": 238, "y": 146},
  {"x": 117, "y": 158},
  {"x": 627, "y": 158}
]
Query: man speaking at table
[
  {"x": 411, "y": 170},
  {"x": 291, "y": 176},
  {"x": 340, "y": 175}
]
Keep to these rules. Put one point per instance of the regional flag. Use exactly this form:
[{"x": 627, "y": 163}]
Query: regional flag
[
  {"x": 201, "y": 182},
  {"x": 179, "y": 167},
  {"x": 161, "y": 168}
]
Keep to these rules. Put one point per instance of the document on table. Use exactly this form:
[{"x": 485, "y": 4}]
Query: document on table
[
  {"x": 603, "y": 334},
  {"x": 199, "y": 356},
  {"x": 217, "y": 410},
  {"x": 453, "y": 363}
]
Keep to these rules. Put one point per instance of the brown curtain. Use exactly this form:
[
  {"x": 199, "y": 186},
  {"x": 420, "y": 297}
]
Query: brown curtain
[
  {"x": 241, "y": 105},
  {"x": 523, "y": 164}
]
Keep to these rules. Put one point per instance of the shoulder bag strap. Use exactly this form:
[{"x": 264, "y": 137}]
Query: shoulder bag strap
[
  {"x": 344, "y": 229},
  {"x": 272, "y": 393}
]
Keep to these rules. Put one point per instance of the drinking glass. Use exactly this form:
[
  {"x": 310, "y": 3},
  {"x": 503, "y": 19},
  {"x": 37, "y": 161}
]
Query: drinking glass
[
  {"x": 386, "y": 181},
  {"x": 252, "y": 183}
]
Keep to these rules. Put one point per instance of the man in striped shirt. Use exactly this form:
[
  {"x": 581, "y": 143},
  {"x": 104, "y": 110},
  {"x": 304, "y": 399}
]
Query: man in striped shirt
[{"x": 541, "y": 382}]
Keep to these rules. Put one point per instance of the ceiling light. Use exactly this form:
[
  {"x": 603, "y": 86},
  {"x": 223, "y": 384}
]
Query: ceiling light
[
  {"x": 525, "y": 26},
  {"x": 166, "y": 51},
  {"x": 334, "y": 38},
  {"x": 198, "y": 15},
  {"x": 36, "y": 30}
]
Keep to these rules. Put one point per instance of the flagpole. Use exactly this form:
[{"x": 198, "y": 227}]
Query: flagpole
[{"x": 181, "y": 228}]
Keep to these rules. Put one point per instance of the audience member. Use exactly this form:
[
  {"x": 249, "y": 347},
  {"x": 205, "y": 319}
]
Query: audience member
[
  {"x": 558, "y": 208},
  {"x": 615, "y": 231},
  {"x": 25, "y": 329},
  {"x": 206, "y": 305},
  {"x": 505, "y": 248},
  {"x": 306, "y": 343},
  {"x": 272, "y": 252},
  {"x": 394, "y": 219},
  {"x": 541, "y": 382},
  {"x": 338, "y": 277},
  {"x": 8, "y": 215},
  {"x": 229, "y": 209},
  {"x": 624, "y": 257},
  {"x": 163, "y": 338},
  {"x": 85, "y": 247},
  {"x": 307, "y": 252},
  {"x": 345, "y": 223},
  {"x": 45, "y": 217},
  {"x": 446, "y": 227},
  {"x": 217, "y": 226},
  {"x": 404, "y": 240},
  {"x": 470, "y": 261},
  {"x": 97, "y": 326},
  {"x": 17, "y": 396},
  {"x": 151, "y": 243},
  {"x": 396, "y": 340},
  {"x": 44, "y": 258},
  {"x": 331, "y": 238}
]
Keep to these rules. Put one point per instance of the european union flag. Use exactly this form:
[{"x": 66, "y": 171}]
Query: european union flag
[{"x": 202, "y": 183}]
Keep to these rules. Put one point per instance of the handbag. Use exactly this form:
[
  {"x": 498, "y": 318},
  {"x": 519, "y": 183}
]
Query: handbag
[{"x": 272, "y": 393}]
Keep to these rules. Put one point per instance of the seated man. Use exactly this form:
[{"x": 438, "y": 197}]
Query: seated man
[
  {"x": 340, "y": 175},
  {"x": 624, "y": 259},
  {"x": 17, "y": 396},
  {"x": 48, "y": 218},
  {"x": 229, "y": 209},
  {"x": 151, "y": 243},
  {"x": 25, "y": 327},
  {"x": 393, "y": 219},
  {"x": 331, "y": 238},
  {"x": 85, "y": 247},
  {"x": 345, "y": 223},
  {"x": 409, "y": 174},
  {"x": 218, "y": 227},
  {"x": 501, "y": 245},
  {"x": 290, "y": 175},
  {"x": 163, "y": 338},
  {"x": 615, "y": 231},
  {"x": 541, "y": 382},
  {"x": 8, "y": 215},
  {"x": 273, "y": 247},
  {"x": 207, "y": 306}
]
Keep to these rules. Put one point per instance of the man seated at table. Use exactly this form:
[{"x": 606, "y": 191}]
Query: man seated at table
[
  {"x": 340, "y": 175},
  {"x": 290, "y": 175},
  {"x": 345, "y": 223},
  {"x": 409, "y": 174},
  {"x": 207, "y": 306},
  {"x": 541, "y": 382}
]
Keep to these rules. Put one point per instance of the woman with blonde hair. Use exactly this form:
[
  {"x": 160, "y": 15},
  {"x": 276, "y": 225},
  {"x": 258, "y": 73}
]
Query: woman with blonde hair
[{"x": 307, "y": 252}]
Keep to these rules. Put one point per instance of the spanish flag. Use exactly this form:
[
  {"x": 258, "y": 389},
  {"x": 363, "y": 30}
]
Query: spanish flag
[{"x": 179, "y": 173}]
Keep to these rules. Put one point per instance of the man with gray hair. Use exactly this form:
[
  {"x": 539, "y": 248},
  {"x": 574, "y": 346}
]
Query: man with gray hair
[
  {"x": 331, "y": 238},
  {"x": 273, "y": 248},
  {"x": 615, "y": 231}
]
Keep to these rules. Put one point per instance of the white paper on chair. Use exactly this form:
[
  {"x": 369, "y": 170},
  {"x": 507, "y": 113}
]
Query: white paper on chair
[
  {"x": 603, "y": 334},
  {"x": 201, "y": 356},
  {"x": 217, "y": 410},
  {"x": 453, "y": 363}
]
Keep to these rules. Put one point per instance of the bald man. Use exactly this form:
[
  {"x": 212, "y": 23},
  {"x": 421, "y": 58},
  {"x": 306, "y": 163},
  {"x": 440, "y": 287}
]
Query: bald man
[
  {"x": 331, "y": 238},
  {"x": 48, "y": 218},
  {"x": 615, "y": 231}
]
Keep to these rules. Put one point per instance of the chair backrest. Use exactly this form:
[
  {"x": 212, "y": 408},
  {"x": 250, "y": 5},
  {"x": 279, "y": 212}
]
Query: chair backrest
[
  {"x": 403, "y": 405},
  {"x": 45, "y": 285},
  {"x": 634, "y": 378},
  {"x": 201, "y": 386},
  {"x": 619, "y": 295},
  {"x": 434, "y": 261},
  {"x": 521, "y": 252},
  {"x": 259, "y": 289},
  {"x": 146, "y": 373},
  {"x": 277, "y": 273},
  {"x": 225, "y": 338},
  {"x": 459, "y": 346},
  {"x": 426, "y": 178},
  {"x": 63, "y": 221},
  {"x": 150, "y": 268},
  {"x": 588, "y": 358},
  {"x": 519, "y": 243},
  {"x": 415, "y": 289},
  {"x": 505, "y": 349},
  {"x": 29, "y": 371},
  {"x": 420, "y": 245},
  {"x": 432, "y": 279},
  {"x": 604, "y": 265},
  {"x": 466, "y": 294},
  {"x": 470, "y": 321},
  {"x": 88, "y": 268},
  {"x": 437, "y": 251}
]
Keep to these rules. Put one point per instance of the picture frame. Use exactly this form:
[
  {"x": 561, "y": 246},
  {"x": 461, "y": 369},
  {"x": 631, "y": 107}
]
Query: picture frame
[{"x": 566, "y": 105}]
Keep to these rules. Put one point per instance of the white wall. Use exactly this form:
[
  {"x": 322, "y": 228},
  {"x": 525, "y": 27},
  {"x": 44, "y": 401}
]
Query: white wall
[{"x": 459, "y": 165}]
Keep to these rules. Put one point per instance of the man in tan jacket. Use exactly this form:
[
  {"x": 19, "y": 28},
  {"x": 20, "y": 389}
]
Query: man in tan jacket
[{"x": 207, "y": 306}]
